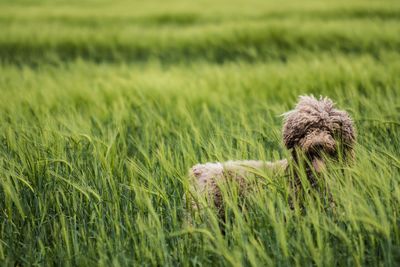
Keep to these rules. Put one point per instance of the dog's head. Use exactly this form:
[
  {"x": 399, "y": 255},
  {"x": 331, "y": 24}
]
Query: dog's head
[{"x": 318, "y": 130}]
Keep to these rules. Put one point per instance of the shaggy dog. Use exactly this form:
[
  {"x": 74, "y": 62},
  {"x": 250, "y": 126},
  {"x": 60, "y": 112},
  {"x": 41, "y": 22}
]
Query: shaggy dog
[{"x": 314, "y": 131}]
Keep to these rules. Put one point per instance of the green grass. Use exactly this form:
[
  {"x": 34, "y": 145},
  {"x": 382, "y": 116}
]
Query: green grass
[{"x": 105, "y": 106}]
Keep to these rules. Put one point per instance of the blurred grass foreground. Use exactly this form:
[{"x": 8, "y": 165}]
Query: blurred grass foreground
[{"x": 106, "y": 104}]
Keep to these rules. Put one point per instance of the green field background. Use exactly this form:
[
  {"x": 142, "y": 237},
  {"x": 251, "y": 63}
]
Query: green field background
[{"x": 105, "y": 105}]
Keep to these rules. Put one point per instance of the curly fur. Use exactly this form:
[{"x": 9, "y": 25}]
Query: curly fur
[
  {"x": 206, "y": 177},
  {"x": 315, "y": 129}
]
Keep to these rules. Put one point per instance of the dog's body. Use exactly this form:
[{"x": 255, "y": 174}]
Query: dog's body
[
  {"x": 206, "y": 176},
  {"x": 239, "y": 168},
  {"x": 313, "y": 131}
]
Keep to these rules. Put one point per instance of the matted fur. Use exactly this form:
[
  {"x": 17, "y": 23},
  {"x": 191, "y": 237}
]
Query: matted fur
[{"x": 315, "y": 128}]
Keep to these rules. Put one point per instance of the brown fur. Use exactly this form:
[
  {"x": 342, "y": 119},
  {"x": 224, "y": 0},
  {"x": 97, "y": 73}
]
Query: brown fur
[{"x": 314, "y": 129}]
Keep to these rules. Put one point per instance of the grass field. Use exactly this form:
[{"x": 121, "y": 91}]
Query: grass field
[{"x": 105, "y": 105}]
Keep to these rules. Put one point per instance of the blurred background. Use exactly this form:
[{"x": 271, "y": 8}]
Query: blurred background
[{"x": 185, "y": 31}]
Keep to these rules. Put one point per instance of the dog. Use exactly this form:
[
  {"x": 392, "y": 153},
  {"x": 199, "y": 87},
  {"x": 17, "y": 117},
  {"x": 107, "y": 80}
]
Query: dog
[{"x": 313, "y": 132}]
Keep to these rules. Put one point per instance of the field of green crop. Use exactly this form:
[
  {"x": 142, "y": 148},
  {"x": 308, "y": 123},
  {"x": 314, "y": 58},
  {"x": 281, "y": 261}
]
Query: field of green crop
[{"x": 106, "y": 104}]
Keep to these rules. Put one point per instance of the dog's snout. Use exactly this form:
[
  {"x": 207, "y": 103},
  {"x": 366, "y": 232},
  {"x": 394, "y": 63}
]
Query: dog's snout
[
  {"x": 317, "y": 146},
  {"x": 319, "y": 142},
  {"x": 322, "y": 146}
]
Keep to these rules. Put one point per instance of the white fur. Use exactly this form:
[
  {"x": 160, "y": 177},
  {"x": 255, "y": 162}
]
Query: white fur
[{"x": 207, "y": 173}]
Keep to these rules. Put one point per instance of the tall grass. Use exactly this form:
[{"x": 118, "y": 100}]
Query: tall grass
[{"x": 94, "y": 153}]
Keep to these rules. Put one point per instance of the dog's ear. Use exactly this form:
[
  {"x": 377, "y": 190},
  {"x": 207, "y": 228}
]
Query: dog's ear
[
  {"x": 347, "y": 130},
  {"x": 348, "y": 135},
  {"x": 293, "y": 128},
  {"x": 296, "y": 121}
]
